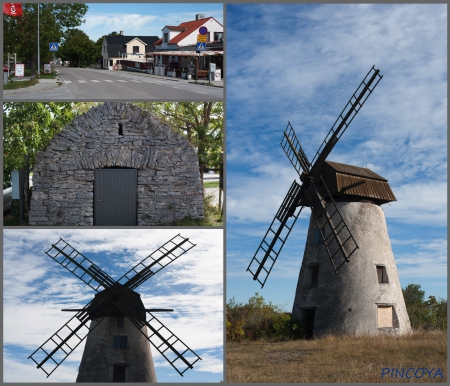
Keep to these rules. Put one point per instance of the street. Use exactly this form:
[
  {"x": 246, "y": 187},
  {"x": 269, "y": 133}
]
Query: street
[{"x": 97, "y": 84}]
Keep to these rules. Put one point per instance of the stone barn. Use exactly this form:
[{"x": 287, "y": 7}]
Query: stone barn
[{"x": 116, "y": 165}]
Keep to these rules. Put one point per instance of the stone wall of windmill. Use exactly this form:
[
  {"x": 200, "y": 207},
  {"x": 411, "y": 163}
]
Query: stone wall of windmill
[{"x": 116, "y": 135}]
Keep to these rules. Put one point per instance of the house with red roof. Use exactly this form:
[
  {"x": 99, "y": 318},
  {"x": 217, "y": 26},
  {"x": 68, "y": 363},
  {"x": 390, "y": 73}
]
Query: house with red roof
[{"x": 174, "y": 38}]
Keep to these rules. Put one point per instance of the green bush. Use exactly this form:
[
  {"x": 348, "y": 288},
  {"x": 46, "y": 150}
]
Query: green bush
[{"x": 257, "y": 319}]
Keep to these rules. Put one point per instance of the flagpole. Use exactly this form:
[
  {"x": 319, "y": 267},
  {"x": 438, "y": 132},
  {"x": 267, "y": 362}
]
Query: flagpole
[{"x": 39, "y": 56}]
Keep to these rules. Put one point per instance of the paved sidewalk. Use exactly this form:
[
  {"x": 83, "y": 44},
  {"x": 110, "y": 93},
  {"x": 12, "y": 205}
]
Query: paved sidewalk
[{"x": 218, "y": 83}]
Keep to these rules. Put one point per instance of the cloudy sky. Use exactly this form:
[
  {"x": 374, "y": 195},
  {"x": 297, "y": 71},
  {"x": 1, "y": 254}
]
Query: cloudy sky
[
  {"x": 36, "y": 288},
  {"x": 143, "y": 19},
  {"x": 302, "y": 63}
]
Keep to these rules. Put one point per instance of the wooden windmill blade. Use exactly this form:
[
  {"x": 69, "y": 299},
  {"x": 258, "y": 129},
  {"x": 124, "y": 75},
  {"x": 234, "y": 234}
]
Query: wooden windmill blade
[
  {"x": 344, "y": 119},
  {"x": 172, "y": 348},
  {"x": 156, "y": 261},
  {"x": 339, "y": 241},
  {"x": 268, "y": 251},
  {"x": 79, "y": 265},
  {"x": 63, "y": 342}
]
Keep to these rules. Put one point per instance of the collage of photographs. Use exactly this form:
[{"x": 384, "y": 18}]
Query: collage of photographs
[{"x": 224, "y": 192}]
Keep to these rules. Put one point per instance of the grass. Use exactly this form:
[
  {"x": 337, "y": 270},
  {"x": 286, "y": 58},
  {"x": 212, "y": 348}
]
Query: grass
[
  {"x": 27, "y": 83},
  {"x": 211, "y": 184},
  {"x": 337, "y": 359},
  {"x": 213, "y": 217}
]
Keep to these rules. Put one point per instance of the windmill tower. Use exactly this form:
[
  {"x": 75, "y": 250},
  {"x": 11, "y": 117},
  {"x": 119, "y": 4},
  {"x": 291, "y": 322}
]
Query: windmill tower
[
  {"x": 348, "y": 282},
  {"x": 117, "y": 345}
]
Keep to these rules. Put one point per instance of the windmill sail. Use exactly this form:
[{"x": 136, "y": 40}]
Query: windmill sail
[
  {"x": 268, "y": 251},
  {"x": 79, "y": 265},
  {"x": 156, "y": 261}
]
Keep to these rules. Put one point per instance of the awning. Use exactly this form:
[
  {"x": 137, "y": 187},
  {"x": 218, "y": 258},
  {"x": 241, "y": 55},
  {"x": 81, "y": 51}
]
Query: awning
[{"x": 186, "y": 53}]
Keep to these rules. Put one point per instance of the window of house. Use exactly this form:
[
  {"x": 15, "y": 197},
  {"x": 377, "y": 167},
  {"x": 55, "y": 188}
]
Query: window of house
[
  {"x": 120, "y": 318},
  {"x": 166, "y": 37},
  {"x": 318, "y": 240},
  {"x": 119, "y": 373},
  {"x": 218, "y": 36},
  {"x": 382, "y": 274},
  {"x": 208, "y": 37},
  {"x": 135, "y": 49},
  {"x": 120, "y": 341}
]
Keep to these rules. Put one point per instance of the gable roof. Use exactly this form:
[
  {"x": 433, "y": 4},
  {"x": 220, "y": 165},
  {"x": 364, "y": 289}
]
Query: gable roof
[
  {"x": 187, "y": 28},
  {"x": 116, "y": 44}
]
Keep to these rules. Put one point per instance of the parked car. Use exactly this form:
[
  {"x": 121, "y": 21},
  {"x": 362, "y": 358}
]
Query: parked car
[{"x": 7, "y": 196}]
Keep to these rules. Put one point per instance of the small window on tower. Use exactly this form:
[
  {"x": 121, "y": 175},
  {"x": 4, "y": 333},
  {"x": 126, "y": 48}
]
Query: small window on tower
[
  {"x": 385, "y": 316},
  {"x": 120, "y": 341},
  {"x": 314, "y": 270},
  {"x": 120, "y": 129},
  {"x": 318, "y": 239},
  {"x": 120, "y": 321},
  {"x": 382, "y": 274}
]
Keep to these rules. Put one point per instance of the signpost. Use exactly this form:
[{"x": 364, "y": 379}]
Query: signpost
[
  {"x": 47, "y": 68},
  {"x": 19, "y": 70},
  {"x": 54, "y": 47},
  {"x": 201, "y": 47}
]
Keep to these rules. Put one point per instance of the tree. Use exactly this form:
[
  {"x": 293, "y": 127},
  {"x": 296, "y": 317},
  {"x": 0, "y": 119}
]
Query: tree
[
  {"x": 20, "y": 33},
  {"x": 428, "y": 314},
  {"x": 78, "y": 48},
  {"x": 28, "y": 128},
  {"x": 200, "y": 122}
]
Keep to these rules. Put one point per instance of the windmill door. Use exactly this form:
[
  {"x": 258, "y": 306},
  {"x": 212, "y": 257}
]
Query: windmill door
[{"x": 115, "y": 197}]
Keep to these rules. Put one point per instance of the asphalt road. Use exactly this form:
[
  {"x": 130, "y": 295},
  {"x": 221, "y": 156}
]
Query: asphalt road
[
  {"x": 96, "y": 84},
  {"x": 103, "y": 84}
]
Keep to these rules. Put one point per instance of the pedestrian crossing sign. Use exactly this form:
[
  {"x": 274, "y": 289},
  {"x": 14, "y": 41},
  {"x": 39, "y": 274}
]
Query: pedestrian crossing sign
[
  {"x": 201, "y": 46},
  {"x": 54, "y": 47}
]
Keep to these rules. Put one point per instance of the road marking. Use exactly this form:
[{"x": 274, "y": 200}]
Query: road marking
[
  {"x": 137, "y": 81},
  {"x": 81, "y": 81},
  {"x": 122, "y": 80},
  {"x": 68, "y": 81},
  {"x": 96, "y": 81},
  {"x": 108, "y": 80}
]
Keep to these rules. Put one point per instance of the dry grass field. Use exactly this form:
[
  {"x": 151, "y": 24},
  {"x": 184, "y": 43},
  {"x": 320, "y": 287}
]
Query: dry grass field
[{"x": 340, "y": 359}]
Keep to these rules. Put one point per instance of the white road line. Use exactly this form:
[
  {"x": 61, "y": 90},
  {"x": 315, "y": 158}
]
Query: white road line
[
  {"x": 122, "y": 80},
  {"x": 68, "y": 81},
  {"x": 136, "y": 81},
  {"x": 108, "y": 80},
  {"x": 81, "y": 81},
  {"x": 95, "y": 81}
]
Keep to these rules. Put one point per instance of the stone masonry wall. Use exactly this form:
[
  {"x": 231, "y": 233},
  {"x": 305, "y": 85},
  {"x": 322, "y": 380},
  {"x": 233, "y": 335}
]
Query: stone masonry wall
[{"x": 169, "y": 184}]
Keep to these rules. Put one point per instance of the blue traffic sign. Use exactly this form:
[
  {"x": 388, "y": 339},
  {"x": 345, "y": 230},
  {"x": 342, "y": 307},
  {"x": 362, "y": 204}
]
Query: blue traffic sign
[
  {"x": 201, "y": 46},
  {"x": 54, "y": 47},
  {"x": 203, "y": 30}
]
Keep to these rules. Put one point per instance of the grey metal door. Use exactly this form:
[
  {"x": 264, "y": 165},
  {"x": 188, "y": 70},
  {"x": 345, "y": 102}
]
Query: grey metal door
[{"x": 115, "y": 197}]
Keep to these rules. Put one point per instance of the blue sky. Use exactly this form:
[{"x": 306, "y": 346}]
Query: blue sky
[
  {"x": 302, "y": 63},
  {"x": 36, "y": 288},
  {"x": 143, "y": 19}
]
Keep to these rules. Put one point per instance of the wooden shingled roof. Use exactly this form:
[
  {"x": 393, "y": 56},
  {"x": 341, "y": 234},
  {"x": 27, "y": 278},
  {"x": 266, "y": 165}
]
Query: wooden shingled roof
[{"x": 346, "y": 182}]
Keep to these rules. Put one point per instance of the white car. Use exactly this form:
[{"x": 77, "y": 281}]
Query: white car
[{"x": 7, "y": 196}]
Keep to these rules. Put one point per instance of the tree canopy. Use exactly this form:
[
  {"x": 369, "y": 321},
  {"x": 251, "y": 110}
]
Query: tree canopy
[
  {"x": 20, "y": 33},
  {"x": 200, "y": 122}
]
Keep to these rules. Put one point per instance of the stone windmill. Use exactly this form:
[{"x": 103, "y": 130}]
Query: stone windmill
[
  {"x": 117, "y": 347},
  {"x": 347, "y": 226}
]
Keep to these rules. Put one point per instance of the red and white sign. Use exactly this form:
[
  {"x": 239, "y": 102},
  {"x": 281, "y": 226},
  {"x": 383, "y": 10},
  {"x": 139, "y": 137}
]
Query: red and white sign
[
  {"x": 19, "y": 70},
  {"x": 47, "y": 68},
  {"x": 12, "y": 9}
]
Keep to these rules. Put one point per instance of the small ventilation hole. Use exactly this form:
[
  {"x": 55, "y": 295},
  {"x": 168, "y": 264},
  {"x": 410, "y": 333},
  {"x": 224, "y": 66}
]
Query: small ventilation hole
[{"x": 120, "y": 129}]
